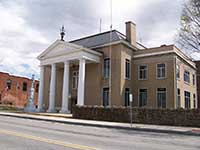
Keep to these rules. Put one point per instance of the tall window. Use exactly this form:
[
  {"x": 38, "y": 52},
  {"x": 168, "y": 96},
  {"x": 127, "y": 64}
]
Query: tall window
[
  {"x": 8, "y": 84},
  {"x": 161, "y": 71},
  {"x": 161, "y": 97},
  {"x": 106, "y": 68},
  {"x": 24, "y": 88},
  {"x": 178, "y": 71},
  {"x": 127, "y": 69},
  {"x": 187, "y": 99},
  {"x": 187, "y": 76},
  {"x": 127, "y": 93},
  {"x": 75, "y": 80},
  {"x": 105, "y": 96},
  {"x": 142, "y": 72},
  {"x": 194, "y": 100},
  {"x": 178, "y": 98},
  {"x": 142, "y": 97},
  {"x": 193, "y": 79},
  {"x": 37, "y": 88}
]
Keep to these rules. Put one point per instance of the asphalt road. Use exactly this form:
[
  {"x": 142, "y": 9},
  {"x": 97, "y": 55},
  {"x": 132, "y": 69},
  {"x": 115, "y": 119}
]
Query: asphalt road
[{"x": 25, "y": 134}]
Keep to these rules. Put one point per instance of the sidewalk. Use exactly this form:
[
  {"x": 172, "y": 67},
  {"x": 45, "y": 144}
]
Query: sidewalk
[{"x": 67, "y": 119}]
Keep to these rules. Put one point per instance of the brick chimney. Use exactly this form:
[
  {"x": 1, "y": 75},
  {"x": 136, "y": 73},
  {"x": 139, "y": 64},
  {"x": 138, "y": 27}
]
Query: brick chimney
[{"x": 131, "y": 32}]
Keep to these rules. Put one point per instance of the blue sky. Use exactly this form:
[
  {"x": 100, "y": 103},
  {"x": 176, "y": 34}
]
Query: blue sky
[{"x": 28, "y": 27}]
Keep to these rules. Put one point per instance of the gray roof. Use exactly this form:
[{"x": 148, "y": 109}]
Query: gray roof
[{"x": 99, "y": 39}]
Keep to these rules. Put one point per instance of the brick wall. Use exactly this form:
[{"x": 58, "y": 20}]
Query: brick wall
[
  {"x": 179, "y": 117},
  {"x": 16, "y": 96}
]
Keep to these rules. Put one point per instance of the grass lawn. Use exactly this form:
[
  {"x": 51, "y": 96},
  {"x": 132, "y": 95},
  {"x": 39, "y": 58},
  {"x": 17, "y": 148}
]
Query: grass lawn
[{"x": 9, "y": 108}]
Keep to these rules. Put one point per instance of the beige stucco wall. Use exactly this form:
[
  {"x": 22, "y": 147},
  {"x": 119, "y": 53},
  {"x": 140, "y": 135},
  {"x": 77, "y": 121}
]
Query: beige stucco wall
[
  {"x": 93, "y": 84},
  {"x": 184, "y": 86},
  {"x": 152, "y": 83},
  {"x": 116, "y": 76},
  {"x": 126, "y": 53}
]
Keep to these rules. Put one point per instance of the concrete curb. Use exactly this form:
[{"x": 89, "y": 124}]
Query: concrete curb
[{"x": 191, "y": 133}]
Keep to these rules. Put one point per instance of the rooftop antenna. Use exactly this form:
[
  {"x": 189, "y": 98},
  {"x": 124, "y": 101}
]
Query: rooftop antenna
[
  {"x": 110, "y": 81},
  {"x": 62, "y": 33}
]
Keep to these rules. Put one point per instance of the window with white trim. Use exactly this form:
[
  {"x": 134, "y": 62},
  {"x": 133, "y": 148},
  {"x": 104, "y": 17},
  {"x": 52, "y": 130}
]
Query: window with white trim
[
  {"x": 142, "y": 97},
  {"x": 187, "y": 76},
  {"x": 106, "y": 68},
  {"x": 161, "y": 71},
  {"x": 187, "y": 99},
  {"x": 127, "y": 69},
  {"x": 142, "y": 72},
  {"x": 75, "y": 79},
  {"x": 161, "y": 97}
]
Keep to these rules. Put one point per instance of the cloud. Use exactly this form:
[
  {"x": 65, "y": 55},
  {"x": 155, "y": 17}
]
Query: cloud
[
  {"x": 19, "y": 43},
  {"x": 28, "y": 27}
]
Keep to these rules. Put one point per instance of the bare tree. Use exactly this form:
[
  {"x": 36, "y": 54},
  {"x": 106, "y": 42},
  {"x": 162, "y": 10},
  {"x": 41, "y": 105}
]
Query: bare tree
[{"x": 189, "y": 35}]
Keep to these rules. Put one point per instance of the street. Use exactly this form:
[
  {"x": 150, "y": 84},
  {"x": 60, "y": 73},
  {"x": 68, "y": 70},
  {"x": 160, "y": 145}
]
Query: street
[{"x": 26, "y": 134}]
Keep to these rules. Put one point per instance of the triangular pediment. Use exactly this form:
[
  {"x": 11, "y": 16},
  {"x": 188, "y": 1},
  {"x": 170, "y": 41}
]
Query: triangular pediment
[{"x": 59, "y": 48}]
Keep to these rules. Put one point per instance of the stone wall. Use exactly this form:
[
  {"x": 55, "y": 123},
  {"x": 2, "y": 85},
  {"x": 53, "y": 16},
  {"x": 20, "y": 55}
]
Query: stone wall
[{"x": 178, "y": 117}]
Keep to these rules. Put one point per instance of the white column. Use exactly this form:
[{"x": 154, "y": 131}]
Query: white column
[
  {"x": 65, "y": 92},
  {"x": 41, "y": 89},
  {"x": 81, "y": 82},
  {"x": 52, "y": 89}
]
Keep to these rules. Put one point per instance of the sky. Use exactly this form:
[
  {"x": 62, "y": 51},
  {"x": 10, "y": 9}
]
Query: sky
[{"x": 28, "y": 27}]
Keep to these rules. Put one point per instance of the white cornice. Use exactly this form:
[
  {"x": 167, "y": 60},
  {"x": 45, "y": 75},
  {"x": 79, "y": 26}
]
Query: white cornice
[
  {"x": 153, "y": 54},
  {"x": 167, "y": 52}
]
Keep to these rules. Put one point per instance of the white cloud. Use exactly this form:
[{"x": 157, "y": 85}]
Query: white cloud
[
  {"x": 16, "y": 41},
  {"x": 28, "y": 27}
]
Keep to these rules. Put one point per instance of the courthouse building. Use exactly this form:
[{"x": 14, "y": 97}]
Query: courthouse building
[{"x": 103, "y": 69}]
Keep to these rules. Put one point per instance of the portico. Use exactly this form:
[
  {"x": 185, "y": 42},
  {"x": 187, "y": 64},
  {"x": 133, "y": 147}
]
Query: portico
[{"x": 60, "y": 55}]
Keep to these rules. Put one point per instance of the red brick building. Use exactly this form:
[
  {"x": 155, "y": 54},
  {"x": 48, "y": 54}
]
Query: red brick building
[
  {"x": 14, "y": 90},
  {"x": 198, "y": 82}
]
